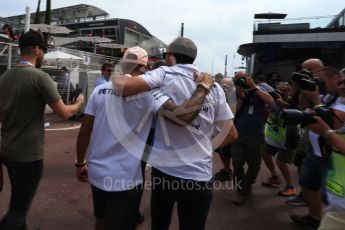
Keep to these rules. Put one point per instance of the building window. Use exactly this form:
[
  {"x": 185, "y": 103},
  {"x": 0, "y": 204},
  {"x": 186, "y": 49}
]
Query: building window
[
  {"x": 109, "y": 32},
  {"x": 97, "y": 33}
]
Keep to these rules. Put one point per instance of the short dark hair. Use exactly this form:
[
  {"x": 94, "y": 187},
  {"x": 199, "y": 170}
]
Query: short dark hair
[
  {"x": 106, "y": 65},
  {"x": 29, "y": 40},
  {"x": 184, "y": 50}
]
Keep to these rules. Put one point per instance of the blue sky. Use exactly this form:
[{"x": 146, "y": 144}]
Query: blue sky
[{"x": 218, "y": 27}]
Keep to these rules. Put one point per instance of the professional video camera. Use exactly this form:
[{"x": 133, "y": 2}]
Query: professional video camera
[
  {"x": 295, "y": 116},
  {"x": 306, "y": 81},
  {"x": 241, "y": 82}
]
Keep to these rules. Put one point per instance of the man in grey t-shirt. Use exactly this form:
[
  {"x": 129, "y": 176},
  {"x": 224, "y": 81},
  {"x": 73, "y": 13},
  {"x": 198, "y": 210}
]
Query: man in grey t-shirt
[{"x": 24, "y": 92}]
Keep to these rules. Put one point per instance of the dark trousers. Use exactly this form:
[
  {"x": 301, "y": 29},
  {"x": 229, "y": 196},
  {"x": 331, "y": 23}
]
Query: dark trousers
[
  {"x": 193, "y": 200},
  {"x": 24, "y": 178},
  {"x": 247, "y": 149},
  {"x": 117, "y": 209}
]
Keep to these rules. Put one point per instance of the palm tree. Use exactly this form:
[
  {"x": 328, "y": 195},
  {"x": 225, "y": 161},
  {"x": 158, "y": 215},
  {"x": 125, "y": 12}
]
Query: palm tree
[
  {"x": 38, "y": 13},
  {"x": 47, "y": 19}
]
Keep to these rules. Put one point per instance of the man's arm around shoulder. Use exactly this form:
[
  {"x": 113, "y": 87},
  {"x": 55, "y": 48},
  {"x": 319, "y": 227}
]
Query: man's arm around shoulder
[{"x": 127, "y": 86}]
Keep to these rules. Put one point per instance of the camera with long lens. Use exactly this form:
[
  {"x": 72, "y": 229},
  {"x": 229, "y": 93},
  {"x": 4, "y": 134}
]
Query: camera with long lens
[
  {"x": 306, "y": 117},
  {"x": 241, "y": 82},
  {"x": 306, "y": 81}
]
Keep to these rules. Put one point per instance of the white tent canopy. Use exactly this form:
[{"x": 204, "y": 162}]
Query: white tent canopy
[
  {"x": 58, "y": 55},
  {"x": 52, "y": 29}
]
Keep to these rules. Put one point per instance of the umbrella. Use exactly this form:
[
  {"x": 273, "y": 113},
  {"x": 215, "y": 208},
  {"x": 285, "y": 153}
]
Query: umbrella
[
  {"x": 52, "y": 29},
  {"x": 59, "y": 55},
  {"x": 95, "y": 39},
  {"x": 113, "y": 45}
]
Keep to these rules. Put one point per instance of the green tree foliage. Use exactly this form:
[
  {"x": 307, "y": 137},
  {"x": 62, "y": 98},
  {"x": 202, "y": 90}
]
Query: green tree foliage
[
  {"x": 38, "y": 13},
  {"x": 47, "y": 19}
]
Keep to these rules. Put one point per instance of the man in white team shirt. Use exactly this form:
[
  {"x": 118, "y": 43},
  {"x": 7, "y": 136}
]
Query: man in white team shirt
[
  {"x": 119, "y": 128},
  {"x": 313, "y": 170},
  {"x": 182, "y": 156}
]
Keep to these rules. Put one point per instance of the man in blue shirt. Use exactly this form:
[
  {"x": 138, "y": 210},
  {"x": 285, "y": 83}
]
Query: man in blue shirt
[{"x": 107, "y": 70}]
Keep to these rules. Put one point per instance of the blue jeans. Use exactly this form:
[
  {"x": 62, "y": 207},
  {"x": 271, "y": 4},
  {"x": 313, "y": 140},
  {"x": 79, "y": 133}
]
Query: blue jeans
[{"x": 24, "y": 178}]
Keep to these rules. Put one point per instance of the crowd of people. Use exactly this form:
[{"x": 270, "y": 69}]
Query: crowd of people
[
  {"x": 295, "y": 123},
  {"x": 174, "y": 117}
]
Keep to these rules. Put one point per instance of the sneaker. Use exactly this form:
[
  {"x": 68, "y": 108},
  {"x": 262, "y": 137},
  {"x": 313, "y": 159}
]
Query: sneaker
[
  {"x": 296, "y": 201},
  {"x": 306, "y": 222},
  {"x": 271, "y": 181},
  {"x": 288, "y": 191},
  {"x": 223, "y": 175},
  {"x": 240, "y": 198}
]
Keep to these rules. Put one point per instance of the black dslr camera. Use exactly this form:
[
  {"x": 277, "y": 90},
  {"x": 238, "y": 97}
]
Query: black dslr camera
[
  {"x": 306, "y": 81},
  {"x": 295, "y": 116},
  {"x": 275, "y": 94},
  {"x": 241, "y": 82}
]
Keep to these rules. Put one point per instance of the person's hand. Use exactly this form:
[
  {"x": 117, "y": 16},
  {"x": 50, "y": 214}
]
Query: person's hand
[
  {"x": 250, "y": 82},
  {"x": 320, "y": 127},
  {"x": 240, "y": 92},
  {"x": 81, "y": 174},
  {"x": 312, "y": 96},
  {"x": 205, "y": 78},
  {"x": 80, "y": 99}
]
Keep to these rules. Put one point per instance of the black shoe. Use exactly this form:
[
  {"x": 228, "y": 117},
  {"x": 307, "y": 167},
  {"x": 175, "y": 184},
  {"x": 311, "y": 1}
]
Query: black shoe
[
  {"x": 223, "y": 175},
  {"x": 306, "y": 222},
  {"x": 139, "y": 219}
]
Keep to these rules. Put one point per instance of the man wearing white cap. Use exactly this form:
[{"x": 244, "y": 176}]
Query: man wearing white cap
[
  {"x": 181, "y": 157},
  {"x": 119, "y": 128}
]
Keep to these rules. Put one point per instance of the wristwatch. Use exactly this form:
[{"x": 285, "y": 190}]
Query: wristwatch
[
  {"x": 79, "y": 165},
  {"x": 327, "y": 133},
  {"x": 205, "y": 86}
]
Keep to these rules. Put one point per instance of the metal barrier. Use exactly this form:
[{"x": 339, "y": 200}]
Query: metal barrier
[
  {"x": 91, "y": 61},
  {"x": 9, "y": 55}
]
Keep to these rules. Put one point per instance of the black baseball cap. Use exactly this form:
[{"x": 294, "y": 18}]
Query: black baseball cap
[{"x": 31, "y": 38}]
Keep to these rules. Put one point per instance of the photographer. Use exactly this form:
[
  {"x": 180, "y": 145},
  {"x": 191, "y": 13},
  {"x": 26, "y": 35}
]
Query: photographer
[
  {"x": 315, "y": 165},
  {"x": 280, "y": 139},
  {"x": 335, "y": 216},
  {"x": 249, "y": 121}
]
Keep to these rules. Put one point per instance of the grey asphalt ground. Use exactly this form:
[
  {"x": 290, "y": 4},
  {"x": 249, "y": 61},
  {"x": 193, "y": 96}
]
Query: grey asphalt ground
[{"x": 64, "y": 203}]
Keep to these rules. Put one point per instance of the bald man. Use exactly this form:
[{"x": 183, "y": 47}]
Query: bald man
[{"x": 312, "y": 64}]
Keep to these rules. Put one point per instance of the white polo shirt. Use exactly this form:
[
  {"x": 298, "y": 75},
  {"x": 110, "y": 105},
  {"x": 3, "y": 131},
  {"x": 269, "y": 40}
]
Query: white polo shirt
[
  {"x": 179, "y": 151},
  {"x": 120, "y": 129}
]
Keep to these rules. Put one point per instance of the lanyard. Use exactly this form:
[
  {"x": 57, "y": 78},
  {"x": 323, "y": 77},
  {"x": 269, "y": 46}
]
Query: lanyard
[{"x": 25, "y": 63}]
